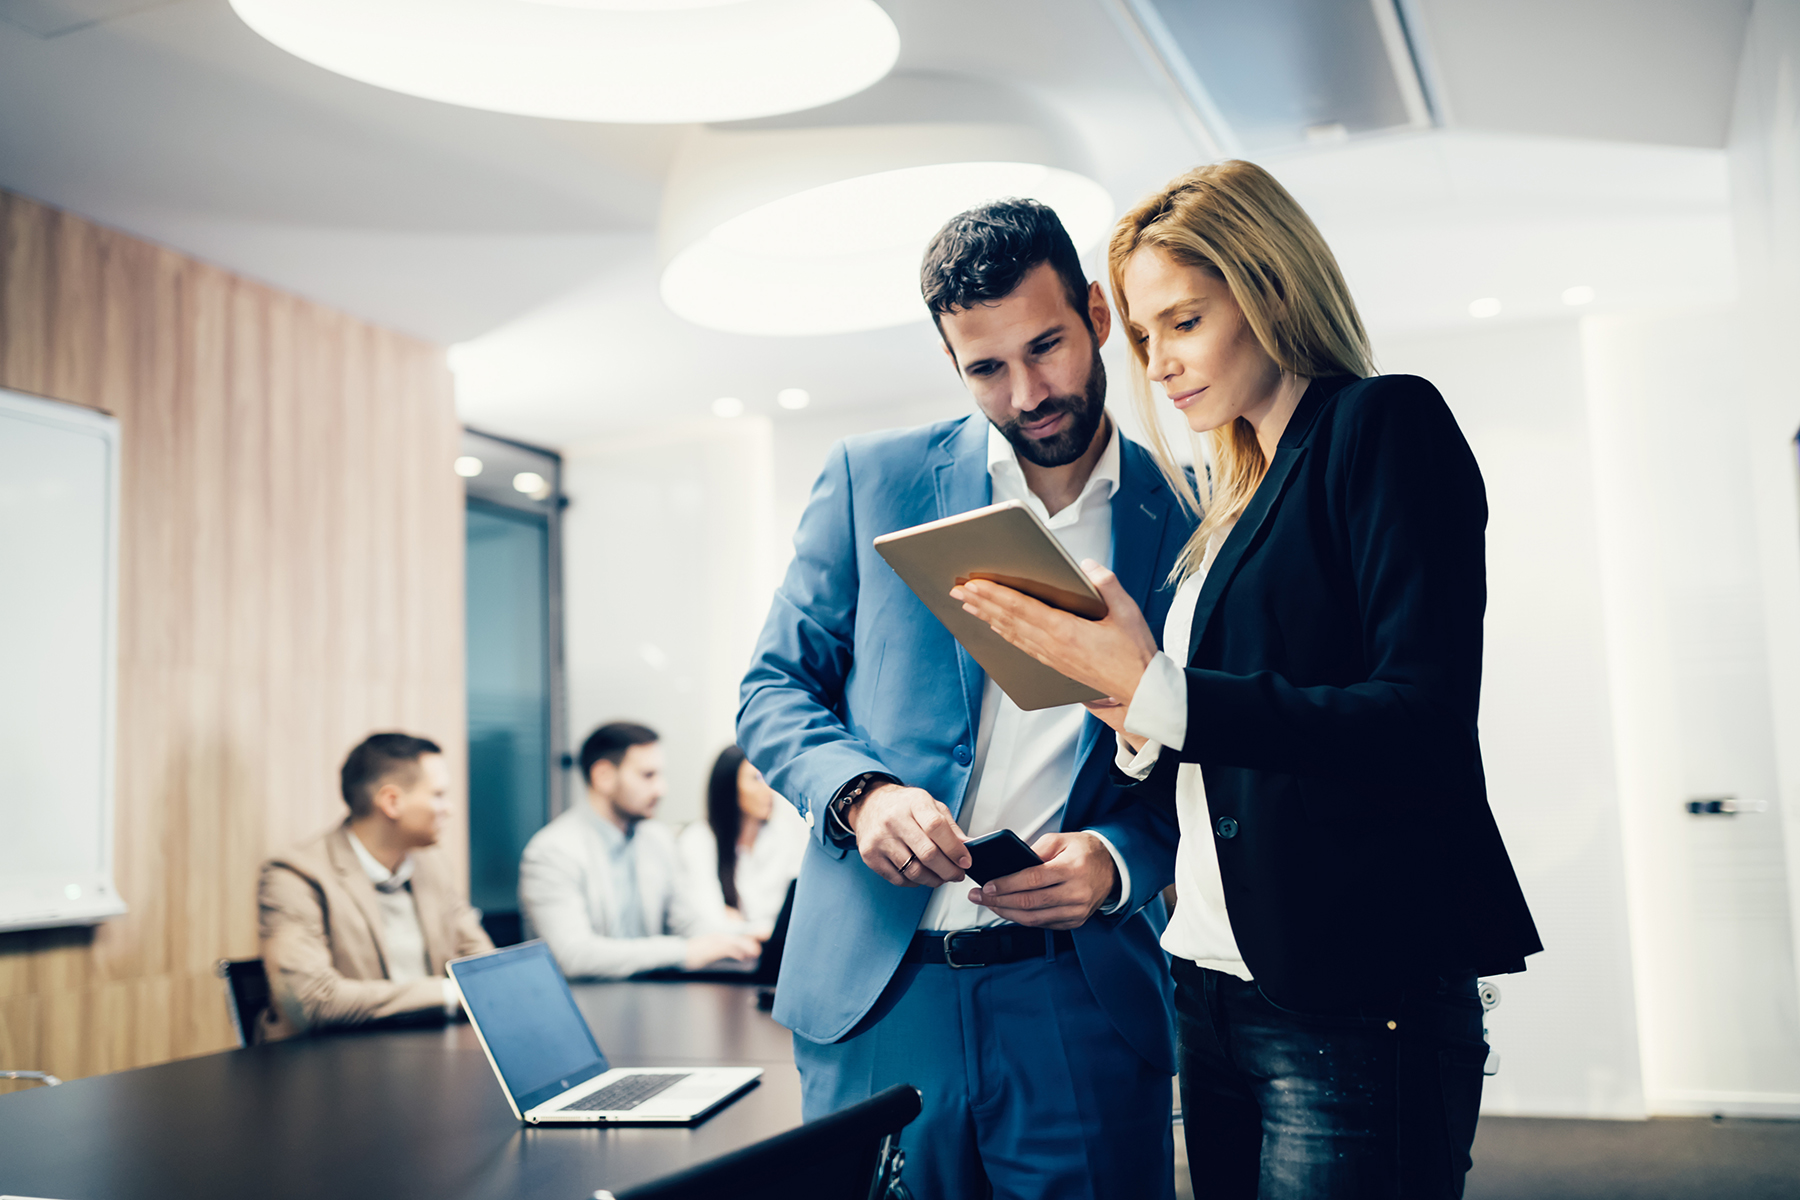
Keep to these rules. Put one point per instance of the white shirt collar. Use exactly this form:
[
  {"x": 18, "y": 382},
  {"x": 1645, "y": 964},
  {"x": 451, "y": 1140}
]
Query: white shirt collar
[
  {"x": 1003, "y": 461},
  {"x": 383, "y": 879}
]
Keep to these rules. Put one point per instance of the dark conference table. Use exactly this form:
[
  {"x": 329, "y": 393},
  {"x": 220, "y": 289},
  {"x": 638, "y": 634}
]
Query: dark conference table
[{"x": 394, "y": 1114}]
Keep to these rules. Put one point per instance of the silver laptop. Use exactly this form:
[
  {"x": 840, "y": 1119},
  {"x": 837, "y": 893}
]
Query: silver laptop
[{"x": 550, "y": 1067}]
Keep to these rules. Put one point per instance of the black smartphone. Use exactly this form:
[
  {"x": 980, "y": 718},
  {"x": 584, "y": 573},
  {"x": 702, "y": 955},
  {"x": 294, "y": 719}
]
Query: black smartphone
[{"x": 999, "y": 853}]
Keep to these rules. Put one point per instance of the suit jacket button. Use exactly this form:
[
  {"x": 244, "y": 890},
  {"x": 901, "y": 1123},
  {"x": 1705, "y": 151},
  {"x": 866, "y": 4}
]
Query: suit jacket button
[
  {"x": 1227, "y": 827},
  {"x": 961, "y": 755}
]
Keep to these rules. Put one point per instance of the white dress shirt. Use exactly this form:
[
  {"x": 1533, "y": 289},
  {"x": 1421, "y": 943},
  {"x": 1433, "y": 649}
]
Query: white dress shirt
[
  {"x": 1200, "y": 930},
  {"x": 1025, "y": 761},
  {"x": 402, "y": 937},
  {"x": 763, "y": 871}
]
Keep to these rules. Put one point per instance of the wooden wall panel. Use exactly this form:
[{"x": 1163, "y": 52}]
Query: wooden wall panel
[{"x": 290, "y": 580}]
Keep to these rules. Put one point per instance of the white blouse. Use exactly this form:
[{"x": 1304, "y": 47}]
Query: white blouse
[
  {"x": 1200, "y": 930},
  {"x": 763, "y": 872}
]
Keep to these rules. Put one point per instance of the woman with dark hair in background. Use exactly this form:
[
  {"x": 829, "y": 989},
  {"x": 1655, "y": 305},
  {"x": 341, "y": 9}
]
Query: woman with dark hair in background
[{"x": 741, "y": 859}]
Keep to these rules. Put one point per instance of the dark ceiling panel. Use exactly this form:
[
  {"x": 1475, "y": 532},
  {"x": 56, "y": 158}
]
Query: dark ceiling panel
[{"x": 1282, "y": 72}]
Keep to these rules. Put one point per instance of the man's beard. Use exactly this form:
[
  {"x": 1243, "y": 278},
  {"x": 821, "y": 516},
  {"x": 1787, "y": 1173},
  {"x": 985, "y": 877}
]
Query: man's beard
[{"x": 1086, "y": 412}]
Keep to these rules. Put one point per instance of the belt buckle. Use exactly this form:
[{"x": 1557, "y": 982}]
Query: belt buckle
[{"x": 950, "y": 950}]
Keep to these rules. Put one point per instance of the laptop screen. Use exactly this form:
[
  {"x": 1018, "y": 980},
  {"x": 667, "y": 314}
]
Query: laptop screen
[{"x": 527, "y": 1016}]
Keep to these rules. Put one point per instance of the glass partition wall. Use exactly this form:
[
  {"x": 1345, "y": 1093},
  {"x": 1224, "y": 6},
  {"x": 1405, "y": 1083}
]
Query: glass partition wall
[{"x": 513, "y": 583}]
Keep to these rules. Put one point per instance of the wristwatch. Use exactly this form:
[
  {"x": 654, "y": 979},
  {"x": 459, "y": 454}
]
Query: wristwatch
[{"x": 848, "y": 795}]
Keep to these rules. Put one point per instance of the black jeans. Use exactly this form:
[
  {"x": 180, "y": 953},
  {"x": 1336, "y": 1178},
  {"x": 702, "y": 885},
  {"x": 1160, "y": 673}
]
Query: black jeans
[{"x": 1284, "y": 1105}]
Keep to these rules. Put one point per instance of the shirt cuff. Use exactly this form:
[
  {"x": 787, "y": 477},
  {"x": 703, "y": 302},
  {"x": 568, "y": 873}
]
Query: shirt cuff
[
  {"x": 1138, "y": 765},
  {"x": 452, "y": 999},
  {"x": 1159, "y": 706},
  {"x": 1107, "y": 910}
]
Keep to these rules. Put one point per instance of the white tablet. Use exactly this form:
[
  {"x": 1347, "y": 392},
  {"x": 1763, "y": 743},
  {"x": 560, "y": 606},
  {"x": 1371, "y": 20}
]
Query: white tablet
[{"x": 1008, "y": 544}]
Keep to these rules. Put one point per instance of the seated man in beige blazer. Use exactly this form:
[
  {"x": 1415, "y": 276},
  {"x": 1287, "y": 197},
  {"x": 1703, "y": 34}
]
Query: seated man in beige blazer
[{"x": 358, "y": 924}]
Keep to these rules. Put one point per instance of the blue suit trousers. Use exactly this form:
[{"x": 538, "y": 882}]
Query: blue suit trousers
[{"x": 1029, "y": 1091}]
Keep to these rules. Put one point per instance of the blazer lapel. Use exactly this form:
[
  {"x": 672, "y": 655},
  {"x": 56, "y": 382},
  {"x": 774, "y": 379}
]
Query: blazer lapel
[
  {"x": 960, "y": 476},
  {"x": 427, "y": 900},
  {"x": 1140, "y": 522},
  {"x": 653, "y": 886},
  {"x": 355, "y": 881},
  {"x": 1256, "y": 513}
]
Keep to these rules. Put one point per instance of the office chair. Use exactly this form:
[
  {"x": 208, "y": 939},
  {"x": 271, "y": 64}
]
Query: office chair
[
  {"x": 850, "y": 1155},
  {"x": 246, "y": 994},
  {"x": 43, "y": 1077}
]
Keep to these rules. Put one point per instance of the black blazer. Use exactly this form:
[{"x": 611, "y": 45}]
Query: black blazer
[{"x": 1333, "y": 684}]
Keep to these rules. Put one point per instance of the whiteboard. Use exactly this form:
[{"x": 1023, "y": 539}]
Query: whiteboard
[{"x": 59, "y": 584}]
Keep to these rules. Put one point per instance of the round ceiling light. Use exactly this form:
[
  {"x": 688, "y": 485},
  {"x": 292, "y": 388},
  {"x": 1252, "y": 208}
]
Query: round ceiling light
[
  {"x": 845, "y": 257},
  {"x": 633, "y": 61},
  {"x": 789, "y": 230}
]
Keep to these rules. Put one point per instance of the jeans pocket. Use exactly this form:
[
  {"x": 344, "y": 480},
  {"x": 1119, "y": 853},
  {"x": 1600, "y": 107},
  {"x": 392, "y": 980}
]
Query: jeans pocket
[
  {"x": 1330, "y": 1020},
  {"x": 1460, "y": 1075}
]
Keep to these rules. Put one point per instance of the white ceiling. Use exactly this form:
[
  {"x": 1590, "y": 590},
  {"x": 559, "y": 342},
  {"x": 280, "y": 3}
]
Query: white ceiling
[{"x": 532, "y": 242}]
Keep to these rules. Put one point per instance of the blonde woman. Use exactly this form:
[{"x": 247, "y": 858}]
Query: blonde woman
[{"x": 1340, "y": 878}]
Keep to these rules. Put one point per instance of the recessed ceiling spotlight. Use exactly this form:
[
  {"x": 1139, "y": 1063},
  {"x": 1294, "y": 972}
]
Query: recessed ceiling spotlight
[
  {"x": 468, "y": 466},
  {"x": 793, "y": 398},
  {"x": 1578, "y": 295},
  {"x": 728, "y": 407},
  {"x": 1487, "y": 306},
  {"x": 636, "y": 61},
  {"x": 531, "y": 484}
]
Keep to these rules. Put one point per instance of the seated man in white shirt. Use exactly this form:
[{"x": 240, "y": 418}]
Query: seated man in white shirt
[
  {"x": 603, "y": 884},
  {"x": 742, "y": 857},
  {"x": 357, "y": 924}
]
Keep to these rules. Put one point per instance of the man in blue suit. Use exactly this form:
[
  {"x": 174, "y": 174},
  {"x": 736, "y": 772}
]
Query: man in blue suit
[{"x": 1046, "y": 1071}]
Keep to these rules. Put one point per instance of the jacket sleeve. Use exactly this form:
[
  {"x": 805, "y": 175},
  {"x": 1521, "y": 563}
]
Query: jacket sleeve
[
  {"x": 1410, "y": 526},
  {"x": 555, "y": 902},
  {"x": 303, "y": 980},
  {"x": 1145, "y": 836},
  {"x": 687, "y": 914},
  {"x": 703, "y": 898},
  {"x": 470, "y": 938},
  {"x": 788, "y": 714}
]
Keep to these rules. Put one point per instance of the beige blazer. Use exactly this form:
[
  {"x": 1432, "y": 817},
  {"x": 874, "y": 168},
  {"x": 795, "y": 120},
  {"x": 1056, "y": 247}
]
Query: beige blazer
[{"x": 322, "y": 937}]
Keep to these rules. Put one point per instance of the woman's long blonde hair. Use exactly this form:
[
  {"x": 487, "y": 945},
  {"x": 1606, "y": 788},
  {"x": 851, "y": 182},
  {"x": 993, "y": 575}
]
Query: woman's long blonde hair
[{"x": 1233, "y": 220}]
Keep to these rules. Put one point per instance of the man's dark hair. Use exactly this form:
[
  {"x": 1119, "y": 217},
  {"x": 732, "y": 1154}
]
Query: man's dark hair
[
  {"x": 981, "y": 256},
  {"x": 379, "y": 758},
  {"x": 610, "y": 742}
]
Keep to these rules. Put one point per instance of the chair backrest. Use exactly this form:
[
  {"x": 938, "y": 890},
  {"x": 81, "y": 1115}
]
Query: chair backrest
[
  {"x": 246, "y": 994},
  {"x": 768, "y": 967},
  {"x": 43, "y": 1077},
  {"x": 849, "y": 1155}
]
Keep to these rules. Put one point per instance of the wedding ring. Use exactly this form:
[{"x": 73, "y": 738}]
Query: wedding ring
[{"x": 909, "y": 862}]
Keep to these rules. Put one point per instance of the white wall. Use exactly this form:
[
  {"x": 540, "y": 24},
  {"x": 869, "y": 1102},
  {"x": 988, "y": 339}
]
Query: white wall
[
  {"x": 1708, "y": 894},
  {"x": 1566, "y": 1028},
  {"x": 801, "y": 441},
  {"x": 667, "y": 571},
  {"x": 1764, "y": 159}
]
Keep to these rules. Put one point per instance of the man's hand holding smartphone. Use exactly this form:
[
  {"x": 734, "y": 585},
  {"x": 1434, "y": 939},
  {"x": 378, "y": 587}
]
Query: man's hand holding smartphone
[{"x": 1077, "y": 877}]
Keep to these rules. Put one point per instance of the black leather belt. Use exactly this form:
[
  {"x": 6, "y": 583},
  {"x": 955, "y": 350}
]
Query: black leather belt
[{"x": 988, "y": 947}]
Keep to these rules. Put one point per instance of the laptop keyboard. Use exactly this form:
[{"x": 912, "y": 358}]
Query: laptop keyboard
[{"x": 626, "y": 1093}]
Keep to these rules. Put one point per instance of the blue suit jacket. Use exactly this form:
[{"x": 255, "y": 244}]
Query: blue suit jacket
[{"x": 853, "y": 674}]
